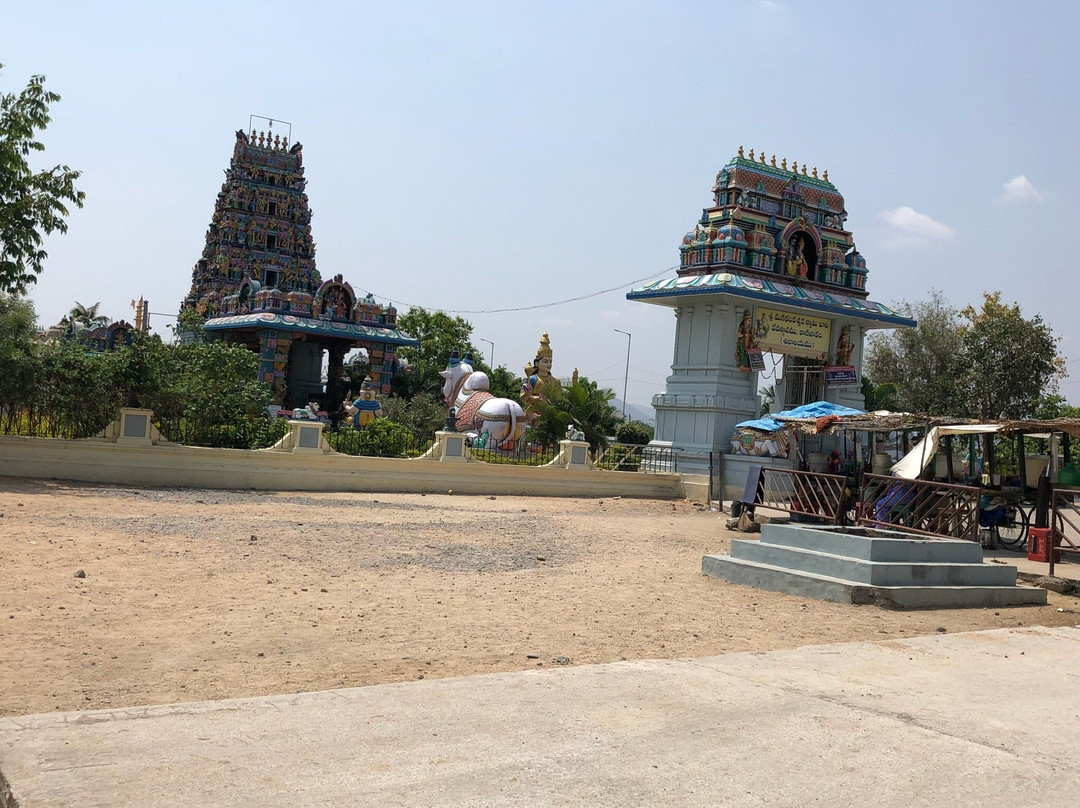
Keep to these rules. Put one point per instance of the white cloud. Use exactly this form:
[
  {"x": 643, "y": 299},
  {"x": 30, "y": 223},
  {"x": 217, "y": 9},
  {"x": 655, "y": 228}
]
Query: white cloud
[
  {"x": 912, "y": 228},
  {"x": 1020, "y": 189}
]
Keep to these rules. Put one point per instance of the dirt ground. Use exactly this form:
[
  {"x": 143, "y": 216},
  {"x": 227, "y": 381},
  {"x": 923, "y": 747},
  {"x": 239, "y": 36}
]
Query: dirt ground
[{"x": 192, "y": 594}]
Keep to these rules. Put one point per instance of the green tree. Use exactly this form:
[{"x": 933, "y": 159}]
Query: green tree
[
  {"x": 1054, "y": 405},
  {"x": 503, "y": 383},
  {"x": 1011, "y": 362},
  {"x": 17, "y": 342},
  {"x": 439, "y": 335},
  {"x": 88, "y": 316},
  {"x": 879, "y": 396},
  {"x": 32, "y": 203},
  {"x": 18, "y": 324},
  {"x": 422, "y": 415},
  {"x": 925, "y": 363},
  {"x": 583, "y": 404}
]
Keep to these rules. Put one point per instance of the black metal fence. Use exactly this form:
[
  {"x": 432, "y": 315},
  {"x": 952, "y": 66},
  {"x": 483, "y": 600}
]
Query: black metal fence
[
  {"x": 234, "y": 433},
  {"x": 375, "y": 442},
  {"x": 523, "y": 454},
  {"x": 35, "y": 423},
  {"x": 636, "y": 457}
]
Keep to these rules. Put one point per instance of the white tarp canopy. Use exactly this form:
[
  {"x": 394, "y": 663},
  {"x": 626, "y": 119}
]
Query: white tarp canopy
[{"x": 911, "y": 465}]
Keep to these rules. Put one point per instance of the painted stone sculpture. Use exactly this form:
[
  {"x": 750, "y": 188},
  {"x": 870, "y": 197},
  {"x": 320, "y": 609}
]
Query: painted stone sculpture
[
  {"x": 538, "y": 378},
  {"x": 366, "y": 408},
  {"x": 477, "y": 411}
]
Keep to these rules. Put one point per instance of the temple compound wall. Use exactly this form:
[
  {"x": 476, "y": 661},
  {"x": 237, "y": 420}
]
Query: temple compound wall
[{"x": 770, "y": 291}]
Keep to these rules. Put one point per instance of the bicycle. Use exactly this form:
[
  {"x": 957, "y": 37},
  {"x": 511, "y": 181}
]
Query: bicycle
[{"x": 1008, "y": 521}]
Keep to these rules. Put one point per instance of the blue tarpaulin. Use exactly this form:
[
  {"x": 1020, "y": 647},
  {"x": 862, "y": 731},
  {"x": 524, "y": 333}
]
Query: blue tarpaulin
[
  {"x": 819, "y": 409},
  {"x": 768, "y": 424}
]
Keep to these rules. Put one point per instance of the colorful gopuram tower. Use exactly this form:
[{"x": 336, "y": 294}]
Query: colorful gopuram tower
[
  {"x": 768, "y": 272},
  {"x": 256, "y": 282}
]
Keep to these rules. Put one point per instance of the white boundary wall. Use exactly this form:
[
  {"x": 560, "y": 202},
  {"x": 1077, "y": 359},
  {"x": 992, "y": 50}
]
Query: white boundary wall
[{"x": 154, "y": 462}]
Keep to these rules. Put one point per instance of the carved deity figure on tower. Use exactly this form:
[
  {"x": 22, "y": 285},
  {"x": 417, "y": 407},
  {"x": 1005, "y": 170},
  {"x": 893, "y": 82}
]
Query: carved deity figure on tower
[
  {"x": 797, "y": 264},
  {"x": 844, "y": 347},
  {"x": 745, "y": 341}
]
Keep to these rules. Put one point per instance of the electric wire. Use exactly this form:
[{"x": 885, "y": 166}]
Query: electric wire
[{"x": 524, "y": 308}]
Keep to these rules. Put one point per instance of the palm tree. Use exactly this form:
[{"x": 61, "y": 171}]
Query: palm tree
[
  {"x": 583, "y": 404},
  {"x": 88, "y": 315}
]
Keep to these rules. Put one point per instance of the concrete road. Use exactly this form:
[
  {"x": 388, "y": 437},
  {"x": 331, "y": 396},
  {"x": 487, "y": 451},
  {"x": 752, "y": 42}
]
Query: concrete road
[{"x": 981, "y": 719}]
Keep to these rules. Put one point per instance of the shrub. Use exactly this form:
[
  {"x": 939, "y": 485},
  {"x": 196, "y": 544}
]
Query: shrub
[
  {"x": 383, "y": 438},
  {"x": 634, "y": 432}
]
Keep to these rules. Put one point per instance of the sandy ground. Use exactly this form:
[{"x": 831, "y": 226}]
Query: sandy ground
[{"x": 191, "y": 595}]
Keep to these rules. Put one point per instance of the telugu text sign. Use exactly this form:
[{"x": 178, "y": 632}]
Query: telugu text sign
[
  {"x": 841, "y": 376},
  {"x": 787, "y": 332}
]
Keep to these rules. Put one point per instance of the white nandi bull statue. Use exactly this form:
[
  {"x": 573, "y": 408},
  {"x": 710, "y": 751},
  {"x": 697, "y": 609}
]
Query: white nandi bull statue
[{"x": 478, "y": 411}]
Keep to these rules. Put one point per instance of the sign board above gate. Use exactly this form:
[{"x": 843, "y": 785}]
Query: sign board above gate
[{"x": 793, "y": 334}]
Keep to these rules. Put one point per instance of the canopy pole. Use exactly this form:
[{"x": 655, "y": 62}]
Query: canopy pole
[
  {"x": 948, "y": 457},
  {"x": 1021, "y": 464}
]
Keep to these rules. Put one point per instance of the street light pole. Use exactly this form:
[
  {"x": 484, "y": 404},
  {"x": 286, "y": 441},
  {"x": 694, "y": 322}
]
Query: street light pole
[
  {"x": 626, "y": 377},
  {"x": 491, "y": 358}
]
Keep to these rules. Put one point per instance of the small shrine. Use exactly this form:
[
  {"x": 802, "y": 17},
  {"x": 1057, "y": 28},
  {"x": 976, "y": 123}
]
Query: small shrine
[
  {"x": 768, "y": 277},
  {"x": 256, "y": 282}
]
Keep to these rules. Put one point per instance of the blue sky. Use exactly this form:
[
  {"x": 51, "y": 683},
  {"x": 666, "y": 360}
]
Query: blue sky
[{"x": 482, "y": 156}]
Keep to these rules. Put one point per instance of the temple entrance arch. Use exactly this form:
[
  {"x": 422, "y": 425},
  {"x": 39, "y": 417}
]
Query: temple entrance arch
[{"x": 790, "y": 285}]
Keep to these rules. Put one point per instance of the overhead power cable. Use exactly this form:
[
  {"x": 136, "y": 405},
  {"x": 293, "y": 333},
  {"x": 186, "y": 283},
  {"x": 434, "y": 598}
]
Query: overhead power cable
[{"x": 523, "y": 308}]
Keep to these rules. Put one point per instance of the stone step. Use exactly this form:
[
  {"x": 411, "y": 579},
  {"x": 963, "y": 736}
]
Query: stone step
[
  {"x": 823, "y": 587},
  {"x": 874, "y": 545},
  {"x": 874, "y": 573}
]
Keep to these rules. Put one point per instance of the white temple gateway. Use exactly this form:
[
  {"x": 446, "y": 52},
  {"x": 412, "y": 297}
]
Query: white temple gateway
[{"x": 768, "y": 273}]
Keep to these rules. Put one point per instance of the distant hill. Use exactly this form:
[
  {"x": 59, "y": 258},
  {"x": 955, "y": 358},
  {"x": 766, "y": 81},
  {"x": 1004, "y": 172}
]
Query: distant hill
[{"x": 635, "y": 412}]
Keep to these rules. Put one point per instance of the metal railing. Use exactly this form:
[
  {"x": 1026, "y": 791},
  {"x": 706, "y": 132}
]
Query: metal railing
[
  {"x": 941, "y": 510},
  {"x": 809, "y": 494},
  {"x": 639, "y": 457},
  {"x": 258, "y": 432},
  {"x": 368, "y": 442},
  {"x": 523, "y": 454},
  {"x": 1064, "y": 521},
  {"x": 32, "y": 422}
]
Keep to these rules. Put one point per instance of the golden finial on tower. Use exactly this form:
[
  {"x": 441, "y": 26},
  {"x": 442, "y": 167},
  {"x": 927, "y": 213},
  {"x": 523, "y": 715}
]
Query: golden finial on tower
[
  {"x": 804, "y": 169},
  {"x": 826, "y": 175},
  {"x": 814, "y": 172},
  {"x": 795, "y": 166},
  {"x": 751, "y": 154},
  {"x": 783, "y": 164},
  {"x": 762, "y": 157},
  {"x": 740, "y": 151},
  {"x": 772, "y": 161}
]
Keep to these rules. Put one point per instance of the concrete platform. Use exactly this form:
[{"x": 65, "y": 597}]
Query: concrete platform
[
  {"x": 866, "y": 565},
  {"x": 986, "y": 718}
]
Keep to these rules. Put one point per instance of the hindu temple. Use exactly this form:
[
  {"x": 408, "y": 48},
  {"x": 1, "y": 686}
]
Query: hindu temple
[
  {"x": 256, "y": 282},
  {"x": 768, "y": 278}
]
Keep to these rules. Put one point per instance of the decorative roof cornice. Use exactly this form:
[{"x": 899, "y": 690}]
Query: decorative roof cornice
[
  {"x": 311, "y": 325},
  {"x": 772, "y": 291}
]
